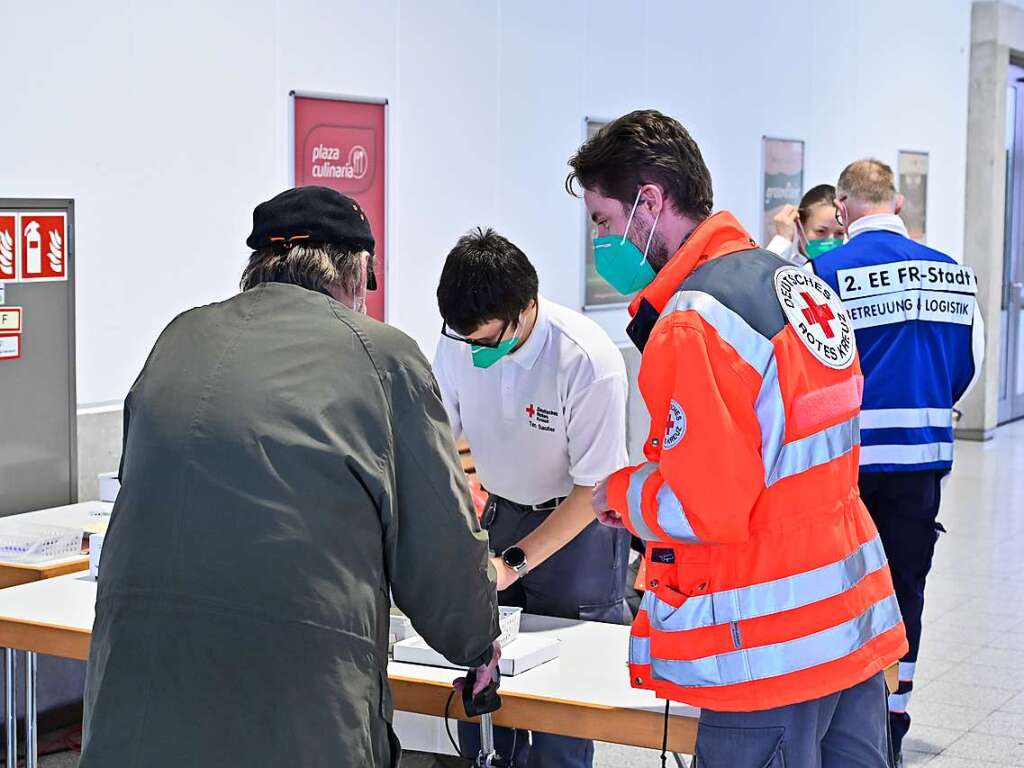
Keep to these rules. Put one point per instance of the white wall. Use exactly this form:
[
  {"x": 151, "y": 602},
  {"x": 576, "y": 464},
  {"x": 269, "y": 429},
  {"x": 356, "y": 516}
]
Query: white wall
[{"x": 167, "y": 125}]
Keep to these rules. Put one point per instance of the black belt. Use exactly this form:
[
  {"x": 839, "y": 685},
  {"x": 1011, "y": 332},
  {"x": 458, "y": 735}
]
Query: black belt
[{"x": 546, "y": 506}]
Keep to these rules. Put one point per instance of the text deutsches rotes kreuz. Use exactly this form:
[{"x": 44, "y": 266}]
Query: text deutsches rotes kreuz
[{"x": 541, "y": 418}]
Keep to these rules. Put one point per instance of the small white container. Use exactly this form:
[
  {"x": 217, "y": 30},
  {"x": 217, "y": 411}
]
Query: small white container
[
  {"x": 95, "y": 548},
  {"x": 109, "y": 485},
  {"x": 508, "y": 620},
  {"x": 401, "y": 628}
]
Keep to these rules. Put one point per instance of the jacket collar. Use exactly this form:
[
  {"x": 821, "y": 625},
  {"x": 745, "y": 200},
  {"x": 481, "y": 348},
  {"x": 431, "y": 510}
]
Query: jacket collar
[
  {"x": 718, "y": 235},
  {"x": 879, "y": 222}
]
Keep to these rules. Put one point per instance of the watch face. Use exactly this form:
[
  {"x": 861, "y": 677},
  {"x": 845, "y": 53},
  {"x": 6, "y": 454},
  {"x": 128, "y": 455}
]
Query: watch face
[{"x": 514, "y": 557}]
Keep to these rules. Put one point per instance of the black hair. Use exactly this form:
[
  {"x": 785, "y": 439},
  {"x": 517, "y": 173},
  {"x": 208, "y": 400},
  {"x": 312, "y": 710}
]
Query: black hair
[
  {"x": 823, "y": 194},
  {"x": 485, "y": 277},
  {"x": 644, "y": 147}
]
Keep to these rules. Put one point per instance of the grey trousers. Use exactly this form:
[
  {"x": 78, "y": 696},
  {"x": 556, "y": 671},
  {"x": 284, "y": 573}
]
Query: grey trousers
[
  {"x": 849, "y": 729},
  {"x": 585, "y": 579}
]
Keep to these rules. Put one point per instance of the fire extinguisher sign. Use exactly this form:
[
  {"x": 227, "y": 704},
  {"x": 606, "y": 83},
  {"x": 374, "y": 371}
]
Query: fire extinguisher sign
[{"x": 43, "y": 246}]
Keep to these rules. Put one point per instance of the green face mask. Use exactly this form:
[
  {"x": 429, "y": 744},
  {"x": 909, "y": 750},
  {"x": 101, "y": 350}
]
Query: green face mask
[
  {"x": 620, "y": 262},
  {"x": 485, "y": 357},
  {"x": 817, "y": 247}
]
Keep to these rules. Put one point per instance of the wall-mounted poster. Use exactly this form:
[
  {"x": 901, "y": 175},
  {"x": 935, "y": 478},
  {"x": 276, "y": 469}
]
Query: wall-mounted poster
[
  {"x": 341, "y": 143},
  {"x": 782, "y": 161},
  {"x": 596, "y": 292},
  {"x": 912, "y": 169}
]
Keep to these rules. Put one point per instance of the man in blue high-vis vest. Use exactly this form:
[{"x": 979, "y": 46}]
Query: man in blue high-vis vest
[{"x": 920, "y": 340}]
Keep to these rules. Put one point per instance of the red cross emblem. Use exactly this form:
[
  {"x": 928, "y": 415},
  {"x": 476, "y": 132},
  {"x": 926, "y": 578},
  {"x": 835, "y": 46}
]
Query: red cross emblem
[
  {"x": 818, "y": 314},
  {"x": 531, "y": 411}
]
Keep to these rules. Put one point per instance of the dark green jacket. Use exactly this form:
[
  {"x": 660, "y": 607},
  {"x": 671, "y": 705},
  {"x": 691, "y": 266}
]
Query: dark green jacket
[{"x": 287, "y": 462}]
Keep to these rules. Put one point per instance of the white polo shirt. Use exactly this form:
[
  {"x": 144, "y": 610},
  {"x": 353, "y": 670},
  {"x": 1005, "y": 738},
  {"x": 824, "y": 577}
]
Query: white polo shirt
[{"x": 549, "y": 416}]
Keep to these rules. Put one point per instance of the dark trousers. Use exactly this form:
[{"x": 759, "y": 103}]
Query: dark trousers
[
  {"x": 904, "y": 506},
  {"x": 842, "y": 730},
  {"x": 583, "y": 580}
]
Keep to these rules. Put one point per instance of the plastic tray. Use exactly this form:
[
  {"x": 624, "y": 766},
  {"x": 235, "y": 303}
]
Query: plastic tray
[
  {"x": 508, "y": 619},
  {"x": 32, "y": 543}
]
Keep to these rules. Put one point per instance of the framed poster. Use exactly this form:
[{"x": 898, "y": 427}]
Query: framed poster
[
  {"x": 341, "y": 142},
  {"x": 912, "y": 173},
  {"x": 782, "y": 164},
  {"x": 597, "y": 294}
]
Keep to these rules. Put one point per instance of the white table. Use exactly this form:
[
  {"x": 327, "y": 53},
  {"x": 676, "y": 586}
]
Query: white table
[
  {"x": 583, "y": 693},
  {"x": 13, "y": 574}
]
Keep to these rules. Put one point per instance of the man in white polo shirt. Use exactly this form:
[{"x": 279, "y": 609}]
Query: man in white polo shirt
[{"x": 539, "y": 391}]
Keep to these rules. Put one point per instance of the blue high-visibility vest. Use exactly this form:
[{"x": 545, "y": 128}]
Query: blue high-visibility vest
[{"x": 913, "y": 313}]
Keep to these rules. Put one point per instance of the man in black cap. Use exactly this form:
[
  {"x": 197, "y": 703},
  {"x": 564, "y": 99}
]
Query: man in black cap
[{"x": 287, "y": 463}]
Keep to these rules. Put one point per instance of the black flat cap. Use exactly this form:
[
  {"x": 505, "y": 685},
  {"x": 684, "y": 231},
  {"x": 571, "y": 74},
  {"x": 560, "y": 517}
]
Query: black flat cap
[{"x": 314, "y": 215}]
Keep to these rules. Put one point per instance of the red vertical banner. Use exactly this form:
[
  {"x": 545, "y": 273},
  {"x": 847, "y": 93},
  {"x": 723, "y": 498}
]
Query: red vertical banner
[{"x": 342, "y": 144}]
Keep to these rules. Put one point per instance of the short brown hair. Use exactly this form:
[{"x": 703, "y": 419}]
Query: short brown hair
[
  {"x": 312, "y": 266},
  {"x": 644, "y": 147},
  {"x": 869, "y": 180}
]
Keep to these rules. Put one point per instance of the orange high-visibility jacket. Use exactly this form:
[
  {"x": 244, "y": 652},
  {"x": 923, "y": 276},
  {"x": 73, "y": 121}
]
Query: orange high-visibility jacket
[{"x": 767, "y": 584}]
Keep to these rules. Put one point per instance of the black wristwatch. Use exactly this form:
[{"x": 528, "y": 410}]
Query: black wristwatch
[{"x": 515, "y": 558}]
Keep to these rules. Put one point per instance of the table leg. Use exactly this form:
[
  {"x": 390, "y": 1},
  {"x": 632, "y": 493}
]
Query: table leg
[
  {"x": 31, "y": 730},
  {"x": 9, "y": 708}
]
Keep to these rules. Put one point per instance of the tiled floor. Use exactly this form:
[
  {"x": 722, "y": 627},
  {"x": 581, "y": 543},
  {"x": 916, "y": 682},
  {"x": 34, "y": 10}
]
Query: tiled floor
[{"x": 968, "y": 704}]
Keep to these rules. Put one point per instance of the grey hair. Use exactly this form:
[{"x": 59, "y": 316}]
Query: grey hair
[{"x": 315, "y": 267}]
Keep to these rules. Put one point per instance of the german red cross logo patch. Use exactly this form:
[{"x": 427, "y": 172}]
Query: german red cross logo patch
[
  {"x": 675, "y": 425},
  {"x": 817, "y": 315}
]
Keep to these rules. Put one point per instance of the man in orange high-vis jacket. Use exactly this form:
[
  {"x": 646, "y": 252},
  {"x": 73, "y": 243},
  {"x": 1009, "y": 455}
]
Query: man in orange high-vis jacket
[{"x": 769, "y": 601}]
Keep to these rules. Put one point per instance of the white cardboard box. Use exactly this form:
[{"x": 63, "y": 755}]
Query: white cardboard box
[
  {"x": 109, "y": 485},
  {"x": 517, "y": 657}
]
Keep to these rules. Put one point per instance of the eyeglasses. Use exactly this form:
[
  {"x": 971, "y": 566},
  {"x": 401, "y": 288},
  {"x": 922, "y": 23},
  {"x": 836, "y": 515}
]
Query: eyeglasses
[{"x": 476, "y": 342}]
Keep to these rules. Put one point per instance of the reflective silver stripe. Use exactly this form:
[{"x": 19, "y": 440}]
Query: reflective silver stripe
[
  {"x": 771, "y": 415},
  {"x": 907, "y": 671},
  {"x": 780, "y": 460},
  {"x": 814, "y": 450},
  {"x": 782, "y": 658},
  {"x": 647, "y": 602},
  {"x": 906, "y": 418},
  {"x": 636, "y": 514},
  {"x": 730, "y": 327},
  {"x": 922, "y": 453},
  {"x": 898, "y": 702},
  {"x": 757, "y": 351},
  {"x": 769, "y": 597},
  {"x": 639, "y": 650},
  {"x": 672, "y": 517}
]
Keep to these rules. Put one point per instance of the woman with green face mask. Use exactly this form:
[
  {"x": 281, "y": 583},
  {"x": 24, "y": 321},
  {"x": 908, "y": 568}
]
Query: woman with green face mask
[{"x": 805, "y": 233}]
